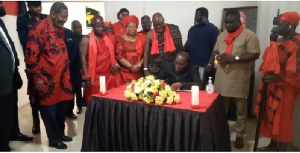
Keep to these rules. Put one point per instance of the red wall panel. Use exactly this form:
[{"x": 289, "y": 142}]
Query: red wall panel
[{"x": 11, "y": 7}]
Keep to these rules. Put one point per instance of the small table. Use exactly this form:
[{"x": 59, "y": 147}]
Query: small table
[{"x": 113, "y": 123}]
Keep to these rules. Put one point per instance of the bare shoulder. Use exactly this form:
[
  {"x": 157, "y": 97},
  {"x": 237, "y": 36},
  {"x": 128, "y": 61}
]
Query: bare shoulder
[
  {"x": 85, "y": 39},
  {"x": 149, "y": 35}
]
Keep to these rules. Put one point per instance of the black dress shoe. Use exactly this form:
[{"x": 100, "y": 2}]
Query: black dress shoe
[
  {"x": 5, "y": 149},
  {"x": 79, "y": 110},
  {"x": 239, "y": 143},
  {"x": 66, "y": 139},
  {"x": 36, "y": 130},
  {"x": 72, "y": 116},
  {"x": 59, "y": 145},
  {"x": 21, "y": 137}
]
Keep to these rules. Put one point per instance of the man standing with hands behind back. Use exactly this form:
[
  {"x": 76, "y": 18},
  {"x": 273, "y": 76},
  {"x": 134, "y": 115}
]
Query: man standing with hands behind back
[{"x": 236, "y": 49}]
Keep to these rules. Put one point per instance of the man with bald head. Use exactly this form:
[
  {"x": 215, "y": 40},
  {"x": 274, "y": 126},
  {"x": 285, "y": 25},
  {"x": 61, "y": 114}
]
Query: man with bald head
[
  {"x": 146, "y": 24},
  {"x": 180, "y": 74},
  {"x": 98, "y": 59},
  {"x": 162, "y": 44}
]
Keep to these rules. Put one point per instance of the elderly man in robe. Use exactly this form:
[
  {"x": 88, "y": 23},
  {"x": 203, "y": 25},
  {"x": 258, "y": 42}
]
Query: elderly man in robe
[{"x": 98, "y": 59}]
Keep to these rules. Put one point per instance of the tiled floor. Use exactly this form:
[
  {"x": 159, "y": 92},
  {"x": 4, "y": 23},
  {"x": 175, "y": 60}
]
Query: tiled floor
[{"x": 74, "y": 129}]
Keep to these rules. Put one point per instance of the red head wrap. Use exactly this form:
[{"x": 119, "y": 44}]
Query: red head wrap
[
  {"x": 290, "y": 17},
  {"x": 96, "y": 18},
  {"x": 130, "y": 18},
  {"x": 108, "y": 23}
]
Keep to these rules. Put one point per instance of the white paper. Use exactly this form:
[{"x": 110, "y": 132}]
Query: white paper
[
  {"x": 102, "y": 84},
  {"x": 195, "y": 95}
]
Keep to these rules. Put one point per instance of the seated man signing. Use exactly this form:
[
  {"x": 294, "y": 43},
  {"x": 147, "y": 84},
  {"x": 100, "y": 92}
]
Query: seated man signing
[{"x": 180, "y": 74}]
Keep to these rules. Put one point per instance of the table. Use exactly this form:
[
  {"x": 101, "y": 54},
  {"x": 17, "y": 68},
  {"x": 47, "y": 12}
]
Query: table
[{"x": 112, "y": 123}]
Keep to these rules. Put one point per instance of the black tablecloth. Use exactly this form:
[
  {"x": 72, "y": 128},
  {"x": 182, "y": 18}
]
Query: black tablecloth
[{"x": 114, "y": 125}]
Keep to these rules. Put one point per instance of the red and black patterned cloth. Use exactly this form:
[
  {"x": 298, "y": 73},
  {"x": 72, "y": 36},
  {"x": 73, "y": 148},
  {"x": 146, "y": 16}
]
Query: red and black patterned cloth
[{"x": 47, "y": 60}]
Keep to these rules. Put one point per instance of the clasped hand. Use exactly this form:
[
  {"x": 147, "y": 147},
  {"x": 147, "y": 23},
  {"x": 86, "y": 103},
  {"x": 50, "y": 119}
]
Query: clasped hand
[{"x": 226, "y": 59}]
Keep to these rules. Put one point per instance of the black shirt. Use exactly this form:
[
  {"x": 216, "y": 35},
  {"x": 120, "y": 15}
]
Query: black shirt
[
  {"x": 24, "y": 22},
  {"x": 188, "y": 77}
]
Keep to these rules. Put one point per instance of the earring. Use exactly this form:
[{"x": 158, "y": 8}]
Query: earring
[{"x": 290, "y": 27}]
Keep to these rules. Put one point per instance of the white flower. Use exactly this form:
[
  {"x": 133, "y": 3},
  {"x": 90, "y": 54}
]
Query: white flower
[
  {"x": 148, "y": 82},
  {"x": 137, "y": 89},
  {"x": 147, "y": 90}
]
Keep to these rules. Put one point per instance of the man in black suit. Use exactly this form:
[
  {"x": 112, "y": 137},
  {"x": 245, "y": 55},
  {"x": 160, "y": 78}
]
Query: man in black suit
[
  {"x": 72, "y": 41},
  {"x": 10, "y": 81},
  {"x": 24, "y": 22}
]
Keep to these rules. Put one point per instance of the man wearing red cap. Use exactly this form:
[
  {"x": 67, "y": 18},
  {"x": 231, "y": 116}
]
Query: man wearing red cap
[
  {"x": 130, "y": 50},
  {"x": 98, "y": 59},
  {"x": 280, "y": 68}
]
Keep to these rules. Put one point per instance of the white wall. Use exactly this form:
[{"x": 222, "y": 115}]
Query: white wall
[
  {"x": 180, "y": 13},
  {"x": 76, "y": 11}
]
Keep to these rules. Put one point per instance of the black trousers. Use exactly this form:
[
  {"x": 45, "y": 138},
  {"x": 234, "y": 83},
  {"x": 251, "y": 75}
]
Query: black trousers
[
  {"x": 54, "y": 120},
  {"x": 15, "y": 120},
  {"x": 35, "y": 106},
  {"x": 6, "y": 117},
  {"x": 79, "y": 99}
]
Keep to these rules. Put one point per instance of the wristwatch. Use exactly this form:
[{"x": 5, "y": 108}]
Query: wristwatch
[{"x": 237, "y": 58}]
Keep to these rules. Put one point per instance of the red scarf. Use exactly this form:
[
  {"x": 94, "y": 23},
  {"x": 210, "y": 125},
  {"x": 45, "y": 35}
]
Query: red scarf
[
  {"x": 92, "y": 58},
  {"x": 168, "y": 42},
  {"x": 270, "y": 59},
  {"x": 230, "y": 37}
]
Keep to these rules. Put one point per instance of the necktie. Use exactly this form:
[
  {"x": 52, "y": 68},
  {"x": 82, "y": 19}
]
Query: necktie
[{"x": 5, "y": 40}]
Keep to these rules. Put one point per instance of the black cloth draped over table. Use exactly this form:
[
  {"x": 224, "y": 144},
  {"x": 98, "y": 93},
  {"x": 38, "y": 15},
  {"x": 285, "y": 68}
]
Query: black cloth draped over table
[{"x": 114, "y": 125}]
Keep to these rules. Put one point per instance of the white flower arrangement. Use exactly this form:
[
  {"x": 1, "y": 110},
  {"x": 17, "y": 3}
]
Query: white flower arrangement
[{"x": 151, "y": 90}]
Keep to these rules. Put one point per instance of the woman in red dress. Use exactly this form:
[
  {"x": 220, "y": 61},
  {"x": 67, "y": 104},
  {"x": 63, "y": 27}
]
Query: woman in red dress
[{"x": 130, "y": 50}]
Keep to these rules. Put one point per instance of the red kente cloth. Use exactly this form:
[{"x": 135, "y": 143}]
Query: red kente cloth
[
  {"x": 119, "y": 29},
  {"x": 280, "y": 58},
  {"x": 168, "y": 42},
  {"x": 100, "y": 60},
  {"x": 230, "y": 38},
  {"x": 133, "y": 53},
  {"x": 112, "y": 38},
  {"x": 205, "y": 101},
  {"x": 47, "y": 60}
]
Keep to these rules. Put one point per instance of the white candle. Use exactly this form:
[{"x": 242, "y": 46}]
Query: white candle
[
  {"x": 195, "y": 95},
  {"x": 102, "y": 84}
]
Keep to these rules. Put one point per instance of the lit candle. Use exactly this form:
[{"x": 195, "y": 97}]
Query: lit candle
[
  {"x": 195, "y": 95},
  {"x": 216, "y": 63},
  {"x": 102, "y": 84}
]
